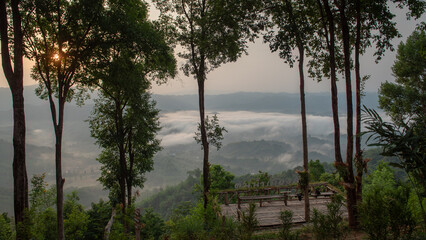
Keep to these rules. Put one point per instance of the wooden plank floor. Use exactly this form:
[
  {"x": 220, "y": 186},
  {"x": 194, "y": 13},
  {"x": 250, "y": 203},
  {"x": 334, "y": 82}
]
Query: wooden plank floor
[{"x": 268, "y": 214}]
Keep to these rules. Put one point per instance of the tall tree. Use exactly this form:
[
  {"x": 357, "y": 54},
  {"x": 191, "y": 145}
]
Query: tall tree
[
  {"x": 405, "y": 102},
  {"x": 328, "y": 60},
  {"x": 211, "y": 33},
  {"x": 60, "y": 38},
  {"x": 11, "y": 36},
  {"x": 371, "y": 23},
  {"x": 125, "y": 120},
  {"x": 342, "y": 6},
  {"x": 292, "y": 23}
]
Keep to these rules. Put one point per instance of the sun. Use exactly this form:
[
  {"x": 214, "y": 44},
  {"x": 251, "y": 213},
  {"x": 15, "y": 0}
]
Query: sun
[{"x": 55, "y": 57}]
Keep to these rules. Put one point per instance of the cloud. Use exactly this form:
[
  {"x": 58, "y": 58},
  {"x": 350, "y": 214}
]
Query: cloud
[{"x": 179, "y": 127}]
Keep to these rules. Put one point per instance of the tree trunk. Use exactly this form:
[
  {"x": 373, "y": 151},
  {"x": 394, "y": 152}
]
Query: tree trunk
[
  {"x": 14, "y": 78},
  {"x": 58, "y": 127},
  {"x": 304, "y": 129},
  {"x": 359, "y": 161},
  {"x": 130, "y": 172},
  {"x": 206, "y": 165},
  {"x": 122, "y": 154},
  {"x": 334, "y": 100},
  {"x": 20, "y": 180},
  {"x": 302, "y": 104},
  {"x": 349, "y": 186}
]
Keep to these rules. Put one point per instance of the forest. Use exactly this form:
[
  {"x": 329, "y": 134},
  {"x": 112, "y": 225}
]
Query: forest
[{"x": 377, "y": 158}]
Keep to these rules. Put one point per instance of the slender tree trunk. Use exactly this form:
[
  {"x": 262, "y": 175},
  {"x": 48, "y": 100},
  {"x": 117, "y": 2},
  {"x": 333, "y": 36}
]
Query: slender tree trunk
[
  {"x": 359, "y": 161},
  {"x": 130, "y": 175},
  {"x": 349, "y": 186},
  {"x": 59, "y": 180},
  {"x": 302, "y": 105},
  {"x": 334, "y": 100},
  {"x": 14, "y": 78},
  {"x": 122, "y": 154},
  {"x": 20, "y": 181},
  {"x": 304, "y": 128},
  {"x": 58, "y": 127},
  {"x": 206, "y": 165}
]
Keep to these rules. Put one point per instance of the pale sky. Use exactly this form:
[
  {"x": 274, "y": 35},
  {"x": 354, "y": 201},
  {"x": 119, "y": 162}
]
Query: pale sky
[{"x": 263, "y": 71}]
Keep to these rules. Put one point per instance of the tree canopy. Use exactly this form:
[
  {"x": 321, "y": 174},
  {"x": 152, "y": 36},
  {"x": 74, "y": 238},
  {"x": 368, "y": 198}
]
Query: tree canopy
[{"x": 405, "y": 100}]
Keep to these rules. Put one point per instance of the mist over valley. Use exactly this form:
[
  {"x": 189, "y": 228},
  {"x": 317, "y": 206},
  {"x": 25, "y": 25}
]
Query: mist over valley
[{"x": 263, "y": 135}]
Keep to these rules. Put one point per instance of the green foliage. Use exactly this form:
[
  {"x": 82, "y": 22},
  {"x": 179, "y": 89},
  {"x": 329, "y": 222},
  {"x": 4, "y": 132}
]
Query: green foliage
[
  {"x": 133, "y": 141},
  {"x": 125, "y": 120},
  {"x": 170, "y": 198},
  {"x": 293, "y": 28},
  {"x": 211, "y": 33},
  {"x": 259, "y": 179},
  {"x": 329, "y": 225},
  {"x": 118, "y": 233},
  {"x": 153, "y": 225},
  {"x": 214, "y": 132},
  {"x": 381, "y": 179},
  {"x": 249, "y": 222},
  {"x": 76, "y": 219},
  {"x": 406, "y": 142},
  {"x": 220, "y": 178},
  {"x": 286, "y": 218},
  {"x": 385, "y": 213},
  {"x": 182, "y": 210},
  {"x": 332, "y": 178},
  {"x": 60, "y": 38},
  {"x": 40, "y": 197},
  {"x": 118, "y": 229},
  {"x": 99, "y": 215},
  {"x": 416, "y": 209},
  {"x": 405, "y": 102},
  {"x": 189, "y": 227},
  {"x": 406, "y": 99},
  {"x": 42, "y": 214},
  {"x": 316, "y": 169},
  {"x": 44, "y": 225},
  {"x": 5, "y": 227},
  {"x": 202, "y": 223}
]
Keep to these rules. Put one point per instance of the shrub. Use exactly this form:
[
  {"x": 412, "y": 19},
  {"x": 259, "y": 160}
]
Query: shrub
[
  {"x": 374, "y": 219},
  {"x": 99, "y": 215},
  {"x": 249, "y": 222},
  {"x": 154, "y": 227},
  {"x": 5, "y": 228},
  {"x": 329, "y": 225},
  {"x": 225, "y": 229},
  {"x": 286, "y": 233},
  {"x": 385, "y": 210},
  {"x": 200, "y": 223}
]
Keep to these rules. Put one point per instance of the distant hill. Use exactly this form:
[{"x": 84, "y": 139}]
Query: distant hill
[{"x": 317, "y": 103}]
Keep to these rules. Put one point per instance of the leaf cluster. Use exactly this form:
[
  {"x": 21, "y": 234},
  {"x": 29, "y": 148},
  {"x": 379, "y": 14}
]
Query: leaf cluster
[
  {"x": 211, "y": 32},
  {"x": 60, "y": 38},
  {"x": 214, "y": 132},
  {"x": 405, "y": 100},
  {"x": 407, "y": 142}
]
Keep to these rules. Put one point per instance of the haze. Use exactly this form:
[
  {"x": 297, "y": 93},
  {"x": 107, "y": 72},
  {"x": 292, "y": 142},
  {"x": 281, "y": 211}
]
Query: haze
[{"x": 263, "y": 71}]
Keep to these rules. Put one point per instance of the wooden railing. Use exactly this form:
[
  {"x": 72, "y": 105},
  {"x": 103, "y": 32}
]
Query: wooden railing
[{"x": 231, "y": 195}]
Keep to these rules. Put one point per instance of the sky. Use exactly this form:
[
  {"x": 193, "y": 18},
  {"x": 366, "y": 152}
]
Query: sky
[{"x": 263, "y": 71}]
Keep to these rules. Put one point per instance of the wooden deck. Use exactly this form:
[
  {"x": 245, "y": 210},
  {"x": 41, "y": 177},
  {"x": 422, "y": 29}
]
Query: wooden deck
[{"x": 268, "y": 214}]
